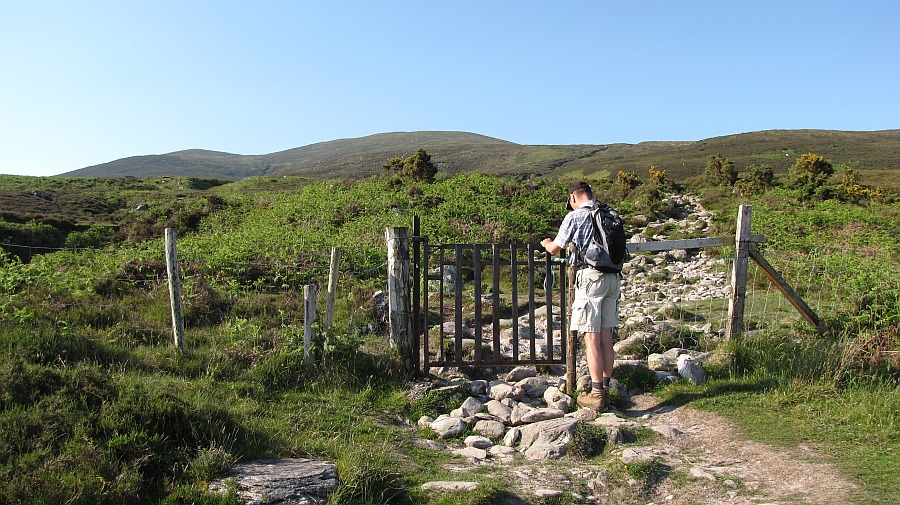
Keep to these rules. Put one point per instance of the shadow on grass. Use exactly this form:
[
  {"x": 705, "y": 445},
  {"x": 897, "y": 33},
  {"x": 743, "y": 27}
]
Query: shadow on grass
[{"x": 710, "y": 390}]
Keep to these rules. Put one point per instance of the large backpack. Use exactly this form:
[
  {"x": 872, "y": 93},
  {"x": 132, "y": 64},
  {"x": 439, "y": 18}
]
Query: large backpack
[{"x": 607, "y": 251}]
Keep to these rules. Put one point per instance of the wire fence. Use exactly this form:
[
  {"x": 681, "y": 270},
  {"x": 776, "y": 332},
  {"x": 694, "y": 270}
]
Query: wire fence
[{"x": 122, "y": 295}]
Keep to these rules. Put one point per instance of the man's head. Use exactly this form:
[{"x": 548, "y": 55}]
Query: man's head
[{"x": 579, "y": 192}]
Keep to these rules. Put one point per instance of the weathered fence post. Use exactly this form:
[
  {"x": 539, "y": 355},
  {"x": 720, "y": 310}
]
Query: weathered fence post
[
  {"x": 571, "y": 336},
  {"x": 174, "y": 290},
  {"x": 399, "y": 322},
  {"x": 332, "y": 286},
  {"x": 309, "y": 317},
  {"x": 739, "y": 273}
]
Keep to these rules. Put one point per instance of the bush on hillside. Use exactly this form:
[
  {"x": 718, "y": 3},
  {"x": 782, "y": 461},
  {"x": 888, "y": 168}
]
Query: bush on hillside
[{"x": 720, "y": 171}]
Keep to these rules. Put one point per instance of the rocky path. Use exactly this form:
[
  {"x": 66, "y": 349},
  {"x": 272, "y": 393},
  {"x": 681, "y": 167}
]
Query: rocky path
[
  {"x": 696, "y": 457},
  {"x": 704, "y": 460},
  {"x": 712, "y": 449}
]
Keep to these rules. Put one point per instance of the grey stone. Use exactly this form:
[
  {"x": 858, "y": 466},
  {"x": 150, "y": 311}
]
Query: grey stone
[
  {"x": 442, "y": 485},
  {"x": 547, "y": 438},
  {"x": 700, "y": 473},
  {"x": 534, "y": 386},
  {"x": 632, "y": 455},
  {"x": 500, "y": 450},
  {"x": 500, "y": 410},
  {"x": 448, "y": 427},
  {"x": 661, "y": 362},
  {"x": 520, "y": 372},
  {"x": 478, "y": 441},
  {"x": 538, "y": 415},
  {"x": 667, "y": 431},
  {"x": 585, "y": 415},
  {"x": 611, "y": 419},
  {"x": 557, "y": 399},
  {"x": 471, "y": 453},
  {"x": 471, "y": 406},
  {"x": 512, "y": 436},
  {"x": 500, "y": 390},
  {"x": 545, "y": 450},
  {"x": 519, "y": 411},
  {"x": 691, "y": 369},
  {"x": 429, "y": 444},
  {"x": 478, "y": 387},
  {"x": 425, "y": 421},
  {"x": 490, "y": 429},
  {"x": 293, "y": 481}
]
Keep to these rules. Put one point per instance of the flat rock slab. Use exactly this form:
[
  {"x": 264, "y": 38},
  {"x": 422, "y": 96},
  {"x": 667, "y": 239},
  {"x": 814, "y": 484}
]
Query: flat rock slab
[
  {"x": 450, "y": 485},
  {"x": 290, "y": 481}
]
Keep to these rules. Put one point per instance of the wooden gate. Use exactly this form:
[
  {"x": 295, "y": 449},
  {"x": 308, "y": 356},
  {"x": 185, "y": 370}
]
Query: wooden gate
[
  {"x": 447, "y": 318},
  {"x": 486, "y": 304}
]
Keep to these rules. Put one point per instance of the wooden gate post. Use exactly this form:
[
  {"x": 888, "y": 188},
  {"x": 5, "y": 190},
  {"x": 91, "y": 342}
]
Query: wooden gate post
[
  {"x": 571, "y": 336},
  {"x": 333, "y": 271},
  {"x": 739, "y": 273},
  {"x": 174, "y": 290},
  {"x": 309, "y": 318},
  {"x": 399, "y": 322}
]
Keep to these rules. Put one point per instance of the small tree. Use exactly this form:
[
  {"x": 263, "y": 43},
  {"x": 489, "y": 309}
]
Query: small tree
[
  {"x": 810, "y": 174},
  {"x": 759, "y": 179},
  {"x": 720, "y": 171},
  {"x": 626, "y": 181},
  {"x": 658, "y": 176},
  {"x": 850, "y": 177},
  {"x": 851, "y": 189},
  {"x": 417, "y": 167},
  {"x": 394, "y": 165}
]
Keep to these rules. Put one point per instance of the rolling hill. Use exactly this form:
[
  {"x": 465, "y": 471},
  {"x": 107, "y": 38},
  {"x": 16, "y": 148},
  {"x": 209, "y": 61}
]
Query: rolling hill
[{"x": 455, "y": 152}]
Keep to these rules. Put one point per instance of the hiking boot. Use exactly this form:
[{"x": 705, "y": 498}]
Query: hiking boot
[{"x": 597, "y": 399}]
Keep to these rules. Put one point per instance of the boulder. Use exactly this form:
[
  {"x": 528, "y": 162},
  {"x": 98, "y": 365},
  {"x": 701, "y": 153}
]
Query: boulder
[
  {"x": 547, "y": 439},
  {"x": 290, "y": 480},
  {"x": 448, "y": 427},
  {"x": 478, "y": 441},
  {"x": 499, "y": 410},
  {"x": 520, "y": 372},
  {"x": 557, "y": 399},
  {"x": 691, "y": 369},
  {"x": 490, "y": 429}
]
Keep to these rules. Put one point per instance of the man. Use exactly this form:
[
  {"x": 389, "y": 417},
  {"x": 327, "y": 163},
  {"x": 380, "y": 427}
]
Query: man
[{"x": 595, "y": 310}]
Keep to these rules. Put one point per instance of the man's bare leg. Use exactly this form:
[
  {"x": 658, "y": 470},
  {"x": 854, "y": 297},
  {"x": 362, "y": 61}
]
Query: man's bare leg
[{"x": 599, "y": 353}]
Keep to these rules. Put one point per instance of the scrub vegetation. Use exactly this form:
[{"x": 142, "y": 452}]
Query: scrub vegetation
[{"x": 97, "y": 407}]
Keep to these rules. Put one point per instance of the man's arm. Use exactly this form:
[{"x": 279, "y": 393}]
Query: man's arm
[{"x": 550, "y": 246}]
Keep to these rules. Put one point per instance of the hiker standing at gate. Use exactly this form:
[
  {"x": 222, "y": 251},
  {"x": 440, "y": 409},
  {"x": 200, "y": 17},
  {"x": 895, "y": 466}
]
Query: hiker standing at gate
[{"x": 595, "y": 310}]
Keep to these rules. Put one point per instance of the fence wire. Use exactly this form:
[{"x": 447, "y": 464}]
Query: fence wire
[
  {"x": 121, "y": 297},
  {"x": 258, "y": 301}
]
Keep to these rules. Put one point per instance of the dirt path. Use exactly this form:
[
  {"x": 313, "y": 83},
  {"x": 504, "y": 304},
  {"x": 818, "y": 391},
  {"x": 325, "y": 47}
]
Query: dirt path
[
  {"x": 763, "y": 473},
  {"x": 722, "y": 467}
]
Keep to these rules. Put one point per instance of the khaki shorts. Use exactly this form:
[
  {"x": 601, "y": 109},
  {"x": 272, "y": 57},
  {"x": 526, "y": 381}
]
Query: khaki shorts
[{"x": 596, "y": 304}]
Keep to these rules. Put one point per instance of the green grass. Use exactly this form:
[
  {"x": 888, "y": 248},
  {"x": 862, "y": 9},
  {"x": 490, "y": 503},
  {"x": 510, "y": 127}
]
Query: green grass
[
  {"x": 856, "y": 427},
  {"x": 836, "y": 405},
  {"x": 96, "y": 407}
]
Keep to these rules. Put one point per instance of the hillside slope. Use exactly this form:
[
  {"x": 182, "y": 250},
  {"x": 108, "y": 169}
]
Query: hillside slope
[{"x": 456, "y": 152}]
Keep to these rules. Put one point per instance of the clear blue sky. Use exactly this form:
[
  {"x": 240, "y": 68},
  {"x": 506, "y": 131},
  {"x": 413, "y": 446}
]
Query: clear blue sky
[{"x": 86, "y": 82}]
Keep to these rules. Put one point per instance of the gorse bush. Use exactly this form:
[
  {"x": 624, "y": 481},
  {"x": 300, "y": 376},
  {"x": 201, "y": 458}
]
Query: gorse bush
[{"x": 720, "y": 171}]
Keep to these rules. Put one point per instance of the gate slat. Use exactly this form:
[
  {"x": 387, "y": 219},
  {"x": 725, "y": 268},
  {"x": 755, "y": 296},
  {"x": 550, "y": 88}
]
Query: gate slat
[
  {"x": 476, "y": 265},
  {"x": 459, "y": 303},
  {"x": 533, "y": 356},
  {"x": 495, "y": 299}
]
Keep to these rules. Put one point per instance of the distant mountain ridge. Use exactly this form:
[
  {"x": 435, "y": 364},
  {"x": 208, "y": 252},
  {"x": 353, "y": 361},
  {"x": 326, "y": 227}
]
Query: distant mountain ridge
[{"x": 455, "y": 152}]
